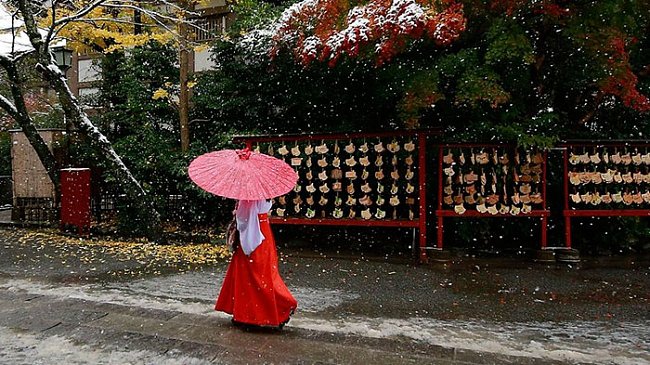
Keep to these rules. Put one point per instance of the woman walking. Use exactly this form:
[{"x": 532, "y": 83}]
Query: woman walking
[{"x": 253, "y": 291}]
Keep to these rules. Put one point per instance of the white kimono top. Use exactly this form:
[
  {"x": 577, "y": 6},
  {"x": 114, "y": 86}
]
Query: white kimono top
[{"x": 248, "y": 224}]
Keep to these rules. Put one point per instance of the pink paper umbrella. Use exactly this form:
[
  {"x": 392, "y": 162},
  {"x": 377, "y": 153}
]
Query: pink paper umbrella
[{"x": 242, "y": 174}]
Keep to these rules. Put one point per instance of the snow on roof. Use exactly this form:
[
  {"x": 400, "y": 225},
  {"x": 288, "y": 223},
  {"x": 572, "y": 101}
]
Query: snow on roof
[
  {"x": 5, "y": 19},
  {"x": 7, "y": 41},
  {"x": 13, "y": 38}
]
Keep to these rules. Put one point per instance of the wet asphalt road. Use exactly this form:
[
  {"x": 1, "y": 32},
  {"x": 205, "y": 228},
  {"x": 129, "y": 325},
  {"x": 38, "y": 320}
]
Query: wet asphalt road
[{"x": 490, "y": 310}]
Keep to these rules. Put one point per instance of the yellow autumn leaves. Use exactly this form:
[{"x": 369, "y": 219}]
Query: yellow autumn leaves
[
  {"x": 111, "y": 28},
  {"x": 160, "y": 94},
  {"x": 103, "y": 30},
  {"x": 94, "y": 251},
  {"x": 163, "y": 92}
]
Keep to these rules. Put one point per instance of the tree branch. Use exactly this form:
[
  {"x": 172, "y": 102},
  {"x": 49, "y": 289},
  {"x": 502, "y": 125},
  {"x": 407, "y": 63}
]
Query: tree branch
[
  {"x": 20, "y": 114},
  {"x": 5, "y": 103},
  {"x": 93, "y": 20},
  {"x": 81, "y": 13},
  {"x": 8, "y": 107},
  {"x": 590, "y": 114},
  {"x": 35, "y": 37},
  {"x": 75, "y": 113},
  {"x": 159, "y": 18},
  {"x": 50, "y": 31},
  {"x": 152, "y": 16}
]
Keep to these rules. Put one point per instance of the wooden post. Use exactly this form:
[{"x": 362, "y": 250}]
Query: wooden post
[
  {"x": 184, "y": 97},
  {"x": 422, "y": 181}
]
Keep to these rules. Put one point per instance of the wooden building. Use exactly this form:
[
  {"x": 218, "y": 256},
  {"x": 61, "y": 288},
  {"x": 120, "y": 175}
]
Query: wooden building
[{"x": 34, "y": 198}]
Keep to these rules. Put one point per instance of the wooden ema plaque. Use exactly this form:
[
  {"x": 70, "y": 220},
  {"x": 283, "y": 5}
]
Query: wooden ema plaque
[
  {"x": 354, "y": 179},
  {"x": 480, "y": 180},
  {"x": 605, "y": 179}
]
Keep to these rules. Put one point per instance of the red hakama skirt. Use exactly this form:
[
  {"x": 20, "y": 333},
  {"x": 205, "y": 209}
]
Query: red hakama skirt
[{"x": 253, "y": 291}]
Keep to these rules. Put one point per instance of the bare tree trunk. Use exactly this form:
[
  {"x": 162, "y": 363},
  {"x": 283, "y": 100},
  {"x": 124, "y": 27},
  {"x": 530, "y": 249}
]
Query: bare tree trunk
[
  {"x": 73, "y": 111},
  {"x": 22, "y": 117}
]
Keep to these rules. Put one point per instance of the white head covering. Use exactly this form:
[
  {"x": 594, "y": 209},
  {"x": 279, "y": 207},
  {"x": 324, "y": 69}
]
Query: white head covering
[{"x": 248, "y": 224}]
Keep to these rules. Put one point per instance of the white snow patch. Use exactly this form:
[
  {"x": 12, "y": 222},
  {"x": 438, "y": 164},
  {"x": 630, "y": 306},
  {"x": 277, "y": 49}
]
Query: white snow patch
[
  {"x": 315, "y": 300},
  {"x": 256, "y": 44},
  {"x": 361, "y": 22},
  {"x": 621, "y": 343},
  {"x": 582, "y": 342},
  {"x": 192, "y": 292},
  {"x": 24, "y": 348},
  {"x": 13, "y": 38},
  {"x": 111, "y": 295}
]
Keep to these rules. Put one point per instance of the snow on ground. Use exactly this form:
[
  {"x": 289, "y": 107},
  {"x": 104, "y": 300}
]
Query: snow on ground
[
  {"x": 25, "y": 348},
  {"x": 584, "y": 342},
  {"x": 579, "y": 341}
]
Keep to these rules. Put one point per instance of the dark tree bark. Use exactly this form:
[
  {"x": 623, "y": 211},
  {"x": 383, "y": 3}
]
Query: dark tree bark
[
  {"x": 20, "y": 114},
  {"x": 75, "y": 114}
]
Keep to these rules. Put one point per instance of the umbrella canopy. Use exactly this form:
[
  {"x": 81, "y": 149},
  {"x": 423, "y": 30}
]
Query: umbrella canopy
[{"x": 242, "y": 174}]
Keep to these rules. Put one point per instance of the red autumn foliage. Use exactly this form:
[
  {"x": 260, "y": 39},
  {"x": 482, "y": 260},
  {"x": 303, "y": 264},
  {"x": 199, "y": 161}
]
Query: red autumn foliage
[
  {"x": 552, "y": 9},
  {"x": 325, "y": 30},
  {"x": 622, "y": 82},
  {"x": 545, "y": 7},
  {"x": 508, "y": 7}
]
